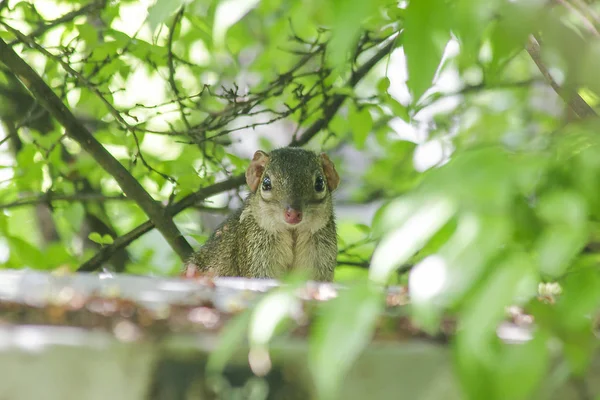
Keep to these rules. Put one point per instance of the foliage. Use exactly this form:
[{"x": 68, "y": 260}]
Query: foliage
[{"x": 475, "y": 121}]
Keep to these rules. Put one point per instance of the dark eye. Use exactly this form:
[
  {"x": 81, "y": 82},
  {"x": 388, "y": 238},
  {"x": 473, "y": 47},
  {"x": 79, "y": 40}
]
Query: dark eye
[
  {"x": 266, "y": 184},
  {"x": 319, "y": 184}
]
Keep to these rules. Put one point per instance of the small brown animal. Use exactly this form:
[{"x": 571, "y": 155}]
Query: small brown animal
[{"x": 286, "y": 222}]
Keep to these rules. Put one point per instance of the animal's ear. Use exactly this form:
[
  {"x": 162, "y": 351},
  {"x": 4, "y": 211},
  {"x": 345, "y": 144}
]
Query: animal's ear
[
  {"x": 256, "y": 169},
  {"x": 333, "y": 179}
]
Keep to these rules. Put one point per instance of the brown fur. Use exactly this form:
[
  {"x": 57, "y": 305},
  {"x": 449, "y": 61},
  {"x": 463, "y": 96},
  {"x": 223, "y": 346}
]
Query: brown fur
[{"x": 255, "y": 241}]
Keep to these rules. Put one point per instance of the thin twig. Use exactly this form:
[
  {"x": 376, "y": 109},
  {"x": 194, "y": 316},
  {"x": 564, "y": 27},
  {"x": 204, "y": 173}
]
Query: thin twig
[{"x": 572, "y": 98}]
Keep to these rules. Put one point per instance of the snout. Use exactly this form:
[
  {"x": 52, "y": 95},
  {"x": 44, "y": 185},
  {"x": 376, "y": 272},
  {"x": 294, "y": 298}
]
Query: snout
[{"x": 292, "y": 215}]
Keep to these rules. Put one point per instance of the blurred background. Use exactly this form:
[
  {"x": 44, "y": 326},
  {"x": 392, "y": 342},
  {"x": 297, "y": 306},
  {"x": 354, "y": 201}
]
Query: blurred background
[{"x": 465, "y": 134}]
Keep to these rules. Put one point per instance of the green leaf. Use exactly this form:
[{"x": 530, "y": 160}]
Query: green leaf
[
  {"x": 425, "y": 36},
  {"x": 471, "y": 20},
  {"x": 74, "y": 215},
  {"x": 24, "y": 254},
  {"x": 348, "y": 274},
  {"x": 515, "y": 22},
  {"x": 100, "y": 239},
  {"x": 89, "y": 34},
  {"x": 348, "y": 20},
  {"x": 28, "y": 171},
  {"x": 161, "y": 10},
  {"x": 341, "y": 331},
  {"x": 231, "y": 339},
  {"x": 383, "y": 85},
  {"x": 363, "y": 227},
  {"x": 563, "y": 207},
  {"x": 272, "y": 310},
  {"x": 414, "y": 225},
  {"x": 398, "y": 110},
  {"x": 57, "y": 256},
  {"x": 227, "y": 14},
  {"x": 521, "y": 368},
  {"x": 361, "y": 123},
  {"x": 580, "y": 299},
  {"x": 477, "y": 342},
  {"x": 239, "y": 163}
]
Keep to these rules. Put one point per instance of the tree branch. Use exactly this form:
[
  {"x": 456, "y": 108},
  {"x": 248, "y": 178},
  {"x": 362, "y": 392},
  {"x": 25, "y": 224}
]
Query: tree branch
[
  {"x": 78, "y": 132},
  {"x": 572, "y": 98},
  {"x": 122, "y": 241},
  {"x": 338, "y": 99}
]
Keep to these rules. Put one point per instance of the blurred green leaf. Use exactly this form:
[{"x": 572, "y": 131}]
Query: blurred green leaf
[
  {"x": 24, "y": 254},
  {"x": 269, "y": 313},
  {"x": 228, "y": 13},
  {"x": 477, "y": 346},
  {"x": 232, "y": 337},
  {"x": 471, "y": 20},
  {"x": 412, "y": 232},
  {"x": 348, "y": 18},
  {"x": 425, "y": 37},
  {"x": 509, "y": 34},
  {"x": 333, "y": 348},
  {"x": 161, "y": 10},
  {"x": 398, "y": 110},
  {"x": 88, "y": 34},
  {"x": 521, "y": 368},
  {"x": 361, "y": 122}
]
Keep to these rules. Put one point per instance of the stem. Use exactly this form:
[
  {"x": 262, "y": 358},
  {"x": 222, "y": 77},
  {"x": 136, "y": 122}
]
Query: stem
[{"x": 572, "y": 98}]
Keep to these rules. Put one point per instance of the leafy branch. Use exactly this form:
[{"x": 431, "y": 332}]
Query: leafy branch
[
  {"x": 78, "y": 132},
  {"x": 85, "y": 82}
]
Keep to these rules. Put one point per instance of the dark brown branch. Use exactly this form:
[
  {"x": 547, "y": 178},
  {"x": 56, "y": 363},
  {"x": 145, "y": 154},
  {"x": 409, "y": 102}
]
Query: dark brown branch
[
  {"x": 89, "y": 8},
  {"x": 122, "y": 241},
  {"x": 338, "y": 100},
  {"x": 78, "y": 132},
  {"x": 572, "y": 98}
]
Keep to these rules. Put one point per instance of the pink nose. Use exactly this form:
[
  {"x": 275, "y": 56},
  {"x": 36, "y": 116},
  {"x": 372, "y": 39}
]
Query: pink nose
[{"x": 292, "y": 216}]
